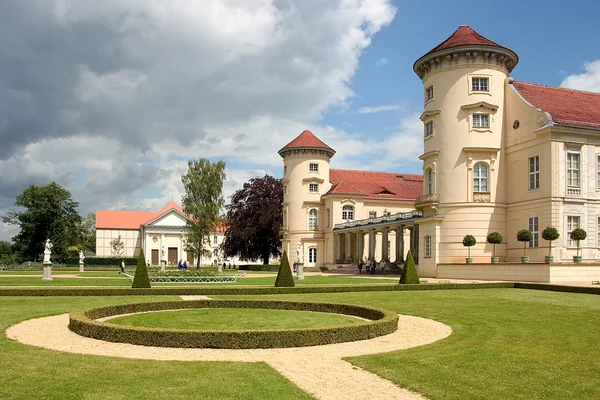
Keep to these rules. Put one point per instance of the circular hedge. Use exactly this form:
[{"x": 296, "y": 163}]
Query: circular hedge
[{"x": 378, "y": 322}]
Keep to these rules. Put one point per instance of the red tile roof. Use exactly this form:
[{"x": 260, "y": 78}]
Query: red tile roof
[
  {"x": 463, "y": 36},
  {"x": 567, "y": 107},
  {"x": 376, "y": 185},
  {"x": 109, "y": 219},
  {"x": 306, "y": 140}
]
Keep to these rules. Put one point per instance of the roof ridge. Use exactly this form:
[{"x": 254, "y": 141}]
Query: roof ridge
[
  {"x": 556, "y": 87},
  {"x": 378, "y": 172}
]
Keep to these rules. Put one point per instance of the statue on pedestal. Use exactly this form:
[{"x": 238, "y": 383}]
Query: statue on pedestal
[
  {"x": 47, "y": 252},
  {"x": 81, "y": 257},
  {"x": 299, "y": 253}
]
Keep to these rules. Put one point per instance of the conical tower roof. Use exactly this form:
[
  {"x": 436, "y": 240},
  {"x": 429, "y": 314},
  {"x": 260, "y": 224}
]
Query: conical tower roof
[{"x": 306, "y": 140}]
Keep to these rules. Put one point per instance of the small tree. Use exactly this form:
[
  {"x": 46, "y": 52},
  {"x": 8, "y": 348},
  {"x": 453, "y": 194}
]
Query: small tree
[
  {"x": 117, "y": 247},
  {"x": 140, "y": 279},
  {"x": 284, "y": 276},
  {"x": 409, "y": 273},
  {"x": 494, "y": 238},
  {"x": 524, "y": 235},
  {"x": 550, "y": 234},
  {"x": 468, "y": 242},
  {"x": 578, "y": 234}
]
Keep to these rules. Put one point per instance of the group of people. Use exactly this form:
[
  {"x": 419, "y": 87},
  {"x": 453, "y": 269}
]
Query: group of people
[
  {"x": 370, "y": 266},
  {"x": 182, "y": 265},
  {"x": 225, "y": 266}
]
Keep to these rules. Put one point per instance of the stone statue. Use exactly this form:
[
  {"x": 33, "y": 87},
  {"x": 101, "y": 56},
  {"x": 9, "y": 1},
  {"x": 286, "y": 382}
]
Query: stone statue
[
  {"x": 299, "y": 253},
  {"x": 47, "y": 251},
  {"x": 81, "y": 257}
]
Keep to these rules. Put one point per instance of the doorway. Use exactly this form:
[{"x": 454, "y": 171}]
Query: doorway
[
  {"x": 173, "y": 256},
  {"x": 154, "y": 256}
]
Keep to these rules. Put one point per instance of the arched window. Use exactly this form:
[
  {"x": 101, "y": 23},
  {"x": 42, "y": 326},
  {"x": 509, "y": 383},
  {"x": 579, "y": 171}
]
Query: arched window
[
  {"x": 427, "y": 246},
  {"x": 480, "y": 178},
  {"x": 312, "y": 255},
  {"x": 312, "y": 219},
  {"x": 347, "y": 213},
  {"x": 429, "y": 181}
]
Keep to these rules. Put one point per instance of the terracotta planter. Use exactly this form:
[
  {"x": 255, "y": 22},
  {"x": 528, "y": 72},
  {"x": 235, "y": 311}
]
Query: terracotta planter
[
  {"x": 525, "y": 259},
  {"x": 549, "y": 259},
  {"x": 494, "y": 260}
]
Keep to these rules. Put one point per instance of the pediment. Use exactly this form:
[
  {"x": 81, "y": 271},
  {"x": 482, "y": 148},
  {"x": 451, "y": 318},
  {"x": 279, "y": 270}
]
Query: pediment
[
  {"x": 170, "y": 218},
  {"x": 480, "y": 105}
]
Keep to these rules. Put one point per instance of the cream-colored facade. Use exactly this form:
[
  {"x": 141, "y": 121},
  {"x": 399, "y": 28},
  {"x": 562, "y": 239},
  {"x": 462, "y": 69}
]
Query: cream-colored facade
[{"x": 499, "y": 156}]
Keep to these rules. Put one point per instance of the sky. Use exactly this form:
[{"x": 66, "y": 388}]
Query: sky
[{"x": 111, "y": 99}]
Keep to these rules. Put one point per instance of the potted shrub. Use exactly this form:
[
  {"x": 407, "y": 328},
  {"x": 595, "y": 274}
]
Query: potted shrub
[
  {"x": 550, "y": 234},
  {"x": 524, "y": 235},
  {"x": 468, "y": 241},
  {"x": 578, "y": 234},
  {"x": 494, "y": 238}
]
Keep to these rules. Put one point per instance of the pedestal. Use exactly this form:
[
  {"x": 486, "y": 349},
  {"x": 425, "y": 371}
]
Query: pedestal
[
  {"x": 163, "y": 266},
  {"x": 219, "y": 268},
  {"x": 80, "y": 267},
  {"x": 47, "y": 272},
  {"x": 300, "y": 271}
]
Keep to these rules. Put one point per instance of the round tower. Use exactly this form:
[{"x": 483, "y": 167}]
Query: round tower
[
  {"x": 305, "y": 180},
  {"x": 464, "y": 81}
]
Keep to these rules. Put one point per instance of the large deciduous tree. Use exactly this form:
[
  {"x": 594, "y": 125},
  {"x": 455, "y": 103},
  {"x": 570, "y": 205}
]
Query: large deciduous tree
[
  {"x": 202, "y": 202},
  {"x": 254, "y": 218},
  {"x": 49, "y": 213}
]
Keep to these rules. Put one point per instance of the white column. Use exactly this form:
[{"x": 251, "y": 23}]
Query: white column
[
  {"x": 337, "y": 247},
  {"x": 347, "y": 253},
  {"x": 372, "y": 244},
  {"x": 400, "y": 245},
  {"x": 384, "y": 244}
]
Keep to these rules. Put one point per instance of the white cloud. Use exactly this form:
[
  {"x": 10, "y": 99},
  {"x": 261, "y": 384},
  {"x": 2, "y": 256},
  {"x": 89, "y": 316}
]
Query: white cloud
[
  {"x": 378, "y": 109},
  {"x": 588, "y": 81},
  {"x": 382, "y": 61}
]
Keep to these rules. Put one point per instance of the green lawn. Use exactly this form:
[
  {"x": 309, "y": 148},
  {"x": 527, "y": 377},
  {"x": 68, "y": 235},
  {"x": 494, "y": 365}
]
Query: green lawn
[
  {"x": 34, "y": 373},
  {"x": 235, "y": 319}
]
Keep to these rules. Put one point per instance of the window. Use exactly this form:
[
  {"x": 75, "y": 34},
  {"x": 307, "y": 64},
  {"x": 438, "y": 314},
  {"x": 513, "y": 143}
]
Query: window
[
  {"x": 429, "y": 128},
  {"x": 312, "y": 220},
  {"x": 313, "y": 188},
  {"x": 427, "y": 246},
  {"x": 285, "y": 169},
  {"x": 573, "y": 169},
  {"x": 313, "y": 167},
  {"x": 480, "y": 84},
  {"x": 481, "y": 120},
  {"x": 312, "y": 255},
  {"x": 598, "y": 234},
  {"x": 328, "y": 217},
  {"x": 216, "y": 253},
  {"x": 284, "y": 189},
  {"x": 534, "y": 173},
  {"x": 480, "y": 178},
  {"x": 598, "y": 173},
  {"x": 572, "y": 223},
  {"x": 284, "y": 217},
  {"x": 534, "y": 227},
  {"x": 214, "y": 239},
  {"x": 429, "y": 93},
  {"x": 347, "y": 213},
  {"x": 429, "y": 181},
  {"x": 372, "y": 214}
]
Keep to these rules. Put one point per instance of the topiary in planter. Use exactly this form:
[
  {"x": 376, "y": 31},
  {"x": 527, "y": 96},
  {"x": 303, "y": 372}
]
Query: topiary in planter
[
  {"x": 284, "y": 276},
  {"x": 578, "y": 234},
  {"x": 550, "y": 234},
  {"x": 469, "y": 241},
  {"x": 494, "y": 238},
  {"x": 140, "y": 279},
  {"x": 409, "y": 273},
  {"x": 524, "y": 235}
]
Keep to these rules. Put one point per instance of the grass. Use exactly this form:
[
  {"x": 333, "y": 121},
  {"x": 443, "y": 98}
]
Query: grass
[
  {"x": 34, "y": 373},
  {"x": 235, "y": 319},
  {"x": 506, "y": 343}
]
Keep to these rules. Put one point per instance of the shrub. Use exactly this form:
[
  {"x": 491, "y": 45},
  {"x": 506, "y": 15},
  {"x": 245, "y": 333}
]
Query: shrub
[
  {"x": 468, "y": 242},
  {"x": 140, "y": 279},
  {"x": 524, "y": 235},
  {"x": 550, "y": 234},
  {"x": 102, "y": 261},
  {"x": 284, "y": 276},
  {"x": 494, "y": 238},
  {"x": 578, "y": 234},
  {"x": 258, "y": 267},
  {"x": 409, "y": 272}
]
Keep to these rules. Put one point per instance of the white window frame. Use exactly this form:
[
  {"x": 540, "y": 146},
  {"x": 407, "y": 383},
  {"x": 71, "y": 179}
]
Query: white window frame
[
  {"x": 313, "y": 167},
  {"x": 347, "y": 213},
  {"x": 573, "y": 222},
  {"x": 477, "y": 85},
  {"x": 312, "y": 255},
  {"x": 477, "y": 177},
  {"x": 285, "y": 170},
  {"x": 328, "y": 217},
  {"x": 215, "y": 239},
  {"x": 534, "y": 172},
  {"x": 313, "y": 219},
  {"x": 427, "y": 246},
  {"x": 481, "y": 121},
  {"x": 429, "y": 175},
  {"x": 534, "y": 227},
  {"x": 572, "y": 181},
  {"x": 428, "y": 128},
  {"x": 313, "y": 188},
  {"x": 597, "y": 171},
  {"x": 429, "y": 93}
]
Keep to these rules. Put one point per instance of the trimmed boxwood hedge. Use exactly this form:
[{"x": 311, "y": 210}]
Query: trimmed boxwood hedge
[
  {"x": 232, "y": 291},
  {"x": 258, "y": 267},
  {"x": 381, "y": 322},
  {"x": 112, "y": 261}
]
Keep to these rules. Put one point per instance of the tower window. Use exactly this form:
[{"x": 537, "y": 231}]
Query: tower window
[
  {"x": 312, "y": 220},
  {"x": 285, "y": 169},
  {"x": 428, "y": 246},
  {"x": 480, "y": 84},
  {"x": 481, "y": 120},
  {"x": 429, "y": 181},
  {"x": 429, "y": 93},
  {"x": 428, "y": 128},
  {"x": 313, "y": 167},
  {"x": 313, "y": 188},
  {"x": 480, "y": 178}
]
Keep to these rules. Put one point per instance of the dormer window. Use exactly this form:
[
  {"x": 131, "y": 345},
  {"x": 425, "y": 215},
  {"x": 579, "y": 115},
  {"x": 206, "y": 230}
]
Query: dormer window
[
  {"x": 481, "y": 120},
  {"x": 480, "y": 84},
  {"x": 313, "y": 167},
  {"x": 429, "y": 93}
]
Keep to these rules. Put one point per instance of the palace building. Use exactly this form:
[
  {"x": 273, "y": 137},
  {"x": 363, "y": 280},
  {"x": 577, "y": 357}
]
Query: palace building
[{"x": 499, "y": 156}]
